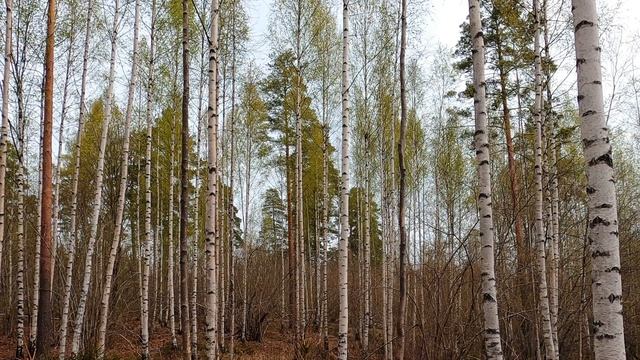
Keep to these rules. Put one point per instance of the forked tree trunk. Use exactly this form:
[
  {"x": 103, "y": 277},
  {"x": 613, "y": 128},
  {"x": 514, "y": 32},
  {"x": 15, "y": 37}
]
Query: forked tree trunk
[
  {"x": 4, "y": 131},
  {"x": 124, "y": 177},
  {"x": 539, "y": 228},
  {"x": 608, "y": 342},
  {"x": 343, "y": 245},
  {"x": 493, "y": 346},
  {"x": 97, "y": 199},
  {"x": 73, "y": 233},
  {"x": 211, "y": 333}
]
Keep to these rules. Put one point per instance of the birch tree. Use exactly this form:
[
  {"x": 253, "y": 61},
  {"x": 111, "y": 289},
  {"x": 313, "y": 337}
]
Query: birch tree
[
  {"x": 73, "y": 233},
  {"x": 144, "y": 321},
  {"x": 343, "y": 246},
  {"x": 493, "y": 346},
  {"x": 539, "y": 223},
  {"x": 4, "y": 131},
  {"x": 608, "y": 340},
  {"x": 402, "y": 186},
  {"x": 211, "y": 333},
  {"x": 124, "y": 173},
  {"x": 97, "y": 200},
  {"x": 184, "y": 190}
]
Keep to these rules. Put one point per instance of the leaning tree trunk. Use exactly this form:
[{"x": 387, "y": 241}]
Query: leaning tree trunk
[
  {"x": 608, "y": 342},
  {"x": 45, "y": 322},
  {"x": 493, "y": 346},
  {"x": 124, "y": 177},
  {"x": 540, "y": 234},
  {"x": 343, "y": 245},
  {"x": 402, "y": 187},
  {"x": 4, "y": 132},
  {"x": 74, "y": 192},
  {"x": 184, "y": 189},
  {"x": 211, "y": 333},
  {"x": 97, "y": 199}
]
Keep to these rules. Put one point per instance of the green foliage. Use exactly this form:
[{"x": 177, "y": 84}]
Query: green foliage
[{"x": 273, "y": 233}]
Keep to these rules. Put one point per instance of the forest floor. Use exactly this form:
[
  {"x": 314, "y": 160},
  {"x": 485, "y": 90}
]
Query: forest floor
[{"x": 275, "y": 345}]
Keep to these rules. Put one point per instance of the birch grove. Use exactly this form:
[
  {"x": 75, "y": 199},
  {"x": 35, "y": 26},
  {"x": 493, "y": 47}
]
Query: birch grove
[{"x": 384, "y": 179}]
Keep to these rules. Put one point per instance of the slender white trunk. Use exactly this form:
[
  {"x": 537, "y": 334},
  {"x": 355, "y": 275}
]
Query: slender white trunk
[
  {"x": 245, "y": 220},
  {"x": 170, "y": 266},
  {"x": 124, "y": 173},
  {"x": 74, "y": 191},
  {"x": 343, "y": 245},
  {"x": 97, "y": 200},
  {"x": 608, "y": 342},
  {"x": 211, "y": 333},
  {"x": 554, "y": 196},
  {"x": 493, "y": 346},
  {"x": 539, "y": 228},
  {"x": 20, "y": 275},
  {"x": 144, "y": 321},
  {"x": 196, "y": 237},
  {"x": 4, "y": 131}
]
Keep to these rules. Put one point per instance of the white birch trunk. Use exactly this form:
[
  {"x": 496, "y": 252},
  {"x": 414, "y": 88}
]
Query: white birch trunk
[
  {"x": 21, "y": 241},
  {"x": 608, "y": 340},
  {"x": 211, "y": 331},
  {"x": 144, "y": 321},
  {"x": 343, "y": 245},
  {"x": 97, "y": 200},
  {"x": 170, "y": 266},
  {"x": 124, "y": 173},
  {"x": 74, "y": 192},
  {"x": 539, "y": 228},
  {"x": 493, "y": 346},
  {"x": 4, "y": 131}
]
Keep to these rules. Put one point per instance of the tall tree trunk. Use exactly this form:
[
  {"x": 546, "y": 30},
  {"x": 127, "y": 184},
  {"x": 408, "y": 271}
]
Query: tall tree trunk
[
  {"x": 196, "y": 237},
  {"x": 245, "y": 221},
  {"x": 124, "y": 177},
  {"x": 540, "y": 233},
  {"x": 45, "y": 321},
  {"x": 211, "y": 333},
  {"x": 603, "y": 218},
  {"x": 21, "y": 242},
  {"x": 553, "y": 190},
  {"x": 230, "y": 214},
  {"x": 144, "y": 321},
  {"x": 74, "y": 191},
  {"x": 300, "y": 238},
  {"x": 343, "y": 245},
  {"x": 493, "y": 346},
  {"x": 4, "y": 132},
  {"x": 184, "y": 190},
  {"x": 97, "y": 200},
  {"x": 170, "y": 256},
  {"x": 402, "y": 187}
]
